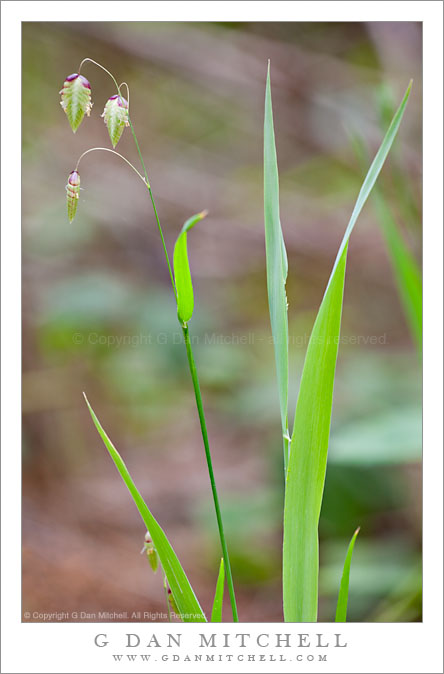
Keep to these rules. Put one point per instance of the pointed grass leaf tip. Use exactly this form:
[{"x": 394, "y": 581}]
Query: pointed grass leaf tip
[
  {"x": 216, "y": 613},
  {"x": 72, "y": 194},
  {"x": 76, "y": 99},
  {"x": 115, "y": 116},
  {"x": 341, "y": 608}
]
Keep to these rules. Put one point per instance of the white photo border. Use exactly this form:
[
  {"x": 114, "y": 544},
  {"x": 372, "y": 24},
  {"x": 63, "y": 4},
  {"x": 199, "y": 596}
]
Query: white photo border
[{"x": 36, "y": 647}]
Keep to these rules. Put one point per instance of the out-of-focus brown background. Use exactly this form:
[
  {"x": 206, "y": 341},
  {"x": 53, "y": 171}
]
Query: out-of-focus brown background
[{"x": 99, "y": 315}]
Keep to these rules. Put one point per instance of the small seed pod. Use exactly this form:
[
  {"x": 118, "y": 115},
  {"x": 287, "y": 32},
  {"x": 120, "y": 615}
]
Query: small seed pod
[
  {"x": 151, "y": 552},
  {"x": 172, "y": 602},
  {"x": 72, "y": 194},
  {"x": 115, "y": 117},
  {"x": 153, "y": 558},
  {"x": 76, "y": 99}
]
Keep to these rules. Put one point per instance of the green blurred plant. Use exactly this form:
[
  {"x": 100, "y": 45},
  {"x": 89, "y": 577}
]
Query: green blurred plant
[{"x": 405, "y": 268}]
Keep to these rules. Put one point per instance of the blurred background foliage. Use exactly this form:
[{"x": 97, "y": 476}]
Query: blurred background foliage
[{"x": 99, "y": 315}]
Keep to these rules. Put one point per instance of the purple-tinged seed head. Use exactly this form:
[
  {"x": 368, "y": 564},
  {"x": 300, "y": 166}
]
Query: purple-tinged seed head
[
  {"x": 121, "y": 102},
  {"x": 74, "y": 179},
  {"x": 83, "y": 80}
]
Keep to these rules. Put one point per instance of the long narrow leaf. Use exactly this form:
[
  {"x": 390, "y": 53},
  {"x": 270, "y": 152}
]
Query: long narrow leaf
[
  {"x": 184, "y": 597},
  {"x": 277, "y": 266},
  {"x": 405, "y": 269},
  {"x": 311, "y": 430},
  {"x": 216, "y": 613},
  {"x": 341, "y": 608},
  {"x": 182, "y": 274}
]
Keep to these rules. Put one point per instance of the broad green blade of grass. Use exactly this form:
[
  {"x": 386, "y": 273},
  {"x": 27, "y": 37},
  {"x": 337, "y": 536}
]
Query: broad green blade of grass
[
  {"x": 216, "y": 613},
  {"x": 182, "y": 274},
  {"x": 186, "y": 601},
  {"x": 341, "y": 608},
  {"x": 405, "y": 269},
  {"x": 277, "y": 266},
  {"x": 311, "y": 430}
]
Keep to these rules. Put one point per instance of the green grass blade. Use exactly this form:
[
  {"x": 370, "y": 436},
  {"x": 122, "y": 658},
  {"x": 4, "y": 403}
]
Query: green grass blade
[
  {"x": 276, "y": 264},
  {"x": 341, "y": 608},
  {"x": 311, "y": 430},
  {"x": 216, "y": 613},
  {"x": 405, "y": 268},
  {"x": 182, "y": 274},
  {"x": 308, "y": 458},
  {"x": 183, "y": 594}
]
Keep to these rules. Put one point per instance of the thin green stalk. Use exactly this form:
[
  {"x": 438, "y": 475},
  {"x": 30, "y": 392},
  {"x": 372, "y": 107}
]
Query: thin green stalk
[
  {"x": 203, "y": 427},
  {"x": 197, "y": 392},
  {"x": 165, "y": 589},
  {"x": 192, "y": 365},
  {"x": 154, "y": 207},
  {"x": 198, "y": 395}
]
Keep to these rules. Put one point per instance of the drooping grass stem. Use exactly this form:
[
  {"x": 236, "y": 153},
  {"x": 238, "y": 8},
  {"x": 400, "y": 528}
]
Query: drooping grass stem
[
  {"x": 142, "y": 164},
  {"x": 203, "y": 427},
  {"x": 153, "y": 203},
  {"x": 107, "y": 149}
]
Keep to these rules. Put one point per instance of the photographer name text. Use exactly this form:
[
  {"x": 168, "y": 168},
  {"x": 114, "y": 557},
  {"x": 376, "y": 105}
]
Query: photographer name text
[{"x": 135, "y": 645}]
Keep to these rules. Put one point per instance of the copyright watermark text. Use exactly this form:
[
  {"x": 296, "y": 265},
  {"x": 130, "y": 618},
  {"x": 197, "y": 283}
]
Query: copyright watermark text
[{"x": 114, "y": 341}]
